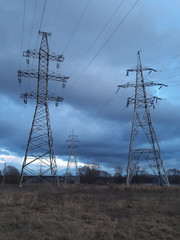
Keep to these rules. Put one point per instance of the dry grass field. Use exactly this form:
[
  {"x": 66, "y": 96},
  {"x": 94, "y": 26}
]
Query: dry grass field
[{"x": 89, "y": 212}]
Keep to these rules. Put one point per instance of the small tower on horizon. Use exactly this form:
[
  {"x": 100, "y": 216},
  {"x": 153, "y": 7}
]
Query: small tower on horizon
[{"x": 72, "y": 173}]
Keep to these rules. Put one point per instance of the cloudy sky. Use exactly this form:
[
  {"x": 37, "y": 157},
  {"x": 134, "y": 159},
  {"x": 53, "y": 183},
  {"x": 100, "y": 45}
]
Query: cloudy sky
[{"x": 99, "y": 40}]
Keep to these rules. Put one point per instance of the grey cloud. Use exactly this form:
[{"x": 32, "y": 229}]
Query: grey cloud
[{"x": 91, "y": 107}]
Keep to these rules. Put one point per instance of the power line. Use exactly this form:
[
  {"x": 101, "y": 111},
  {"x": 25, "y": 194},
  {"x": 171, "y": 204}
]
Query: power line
[
  {"x": 164, "y": 70},
  {"x": 57, "y": 15},
  {"x": 159, "y": 40},
  {"x": 166, "y": 60},
  {"x": 76, "y": 27},
  {"x": 113, "y": 113},
  {"x": 22, "y": 32},
  {"x": 108, "y": 101},
  {"x": 169, "y": 77},
  {"x": 110, "y": 123},
  {"x": 42, "y": 14},
  {"x": 105, "y": 43},
  {"x": 32, "y": 23},
  {"x": 98, "y": 36},
  {"x": 175, "y": 97}
]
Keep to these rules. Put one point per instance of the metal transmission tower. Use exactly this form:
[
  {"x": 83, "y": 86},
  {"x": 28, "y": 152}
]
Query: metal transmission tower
[
  {"x": 72, "y": 173},
  {"x": 142, "y": 127},
  {"x": 40, "y": 147}
]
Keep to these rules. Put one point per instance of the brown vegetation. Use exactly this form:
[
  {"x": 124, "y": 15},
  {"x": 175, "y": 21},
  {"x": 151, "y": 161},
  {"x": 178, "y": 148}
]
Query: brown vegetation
[
  {"x": 82, "y": 212},
  {"x": 11, "y": 175}
]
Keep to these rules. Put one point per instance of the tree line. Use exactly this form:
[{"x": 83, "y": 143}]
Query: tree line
[{"x": 92, "y": 173}]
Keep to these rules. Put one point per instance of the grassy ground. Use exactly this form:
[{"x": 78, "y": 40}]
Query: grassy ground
[{"x": 83, "y": 212}]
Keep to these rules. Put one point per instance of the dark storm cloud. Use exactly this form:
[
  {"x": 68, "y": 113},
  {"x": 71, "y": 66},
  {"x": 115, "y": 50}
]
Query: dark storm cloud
[{"x": 91, "y": 106}]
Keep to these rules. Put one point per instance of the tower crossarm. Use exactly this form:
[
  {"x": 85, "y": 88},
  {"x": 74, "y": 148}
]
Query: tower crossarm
[
  {"x": 34, "y": 74},
  {"x": 56, "y": 57},
  {"x": 35, "y": 54},
  {"x": 140, "y": 102},
  {"x": 28, "y": 74},
  {"x": 55, "y": 98},
  {"x": 144, "y": 150},
  {"x": 73, "y": 135},
  {"x": 126, "y": 85},
  {"x": 33, "y": 95},
  {"x": 31, "y": 53},
  {"x": 147, "y": 84},
  {"x": 72, "y": 140},
  {"x": 143, "y": 69}
]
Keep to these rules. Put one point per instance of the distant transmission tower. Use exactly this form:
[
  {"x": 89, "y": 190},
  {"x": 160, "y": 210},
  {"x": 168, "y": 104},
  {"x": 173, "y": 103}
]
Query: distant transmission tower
[
  {"x": 142, "y": 127},
  {"x": 72, "y": 173},
  {"x": 40, "y": 147}
]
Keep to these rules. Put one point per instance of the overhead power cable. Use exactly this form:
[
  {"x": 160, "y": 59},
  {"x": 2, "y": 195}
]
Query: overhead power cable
[
  {"x": 173, "y": 98},
  {"x": 22, "y": 32},
  {"x": 57, "y": 15},
  {"x": 166, "y": 60},
  {"x": 113, "y": 114},
  {"x": 110, "y": 126},
  {"x": 76, "y": 27},
  {"x": 32, "y": 24},
  {"x": 98, "y": 36},
  {"x": 105, "y": 43},
  {"x": 169, "y": 69},
  {"x": 159, "y": 40},
  {"x": 168, "y": 77},
  {"x": 42, "y": 14}
]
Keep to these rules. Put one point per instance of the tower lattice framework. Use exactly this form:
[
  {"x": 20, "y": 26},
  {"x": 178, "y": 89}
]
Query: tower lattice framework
[
  {"x": 142, "y": 126},
  {"x": 72, "y": 173},
  {"x": 40, "y": 147}
]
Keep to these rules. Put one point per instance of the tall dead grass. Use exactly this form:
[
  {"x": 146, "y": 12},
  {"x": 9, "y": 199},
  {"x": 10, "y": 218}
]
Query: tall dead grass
[{"x": 89, "y": 212}]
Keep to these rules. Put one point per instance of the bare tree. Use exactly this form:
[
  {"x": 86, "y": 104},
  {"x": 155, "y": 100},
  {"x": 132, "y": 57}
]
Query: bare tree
[
  {"x": 138, "y": 171},
  {"x": 90, "y": 172},
  {"x": 174, "y": 175},
  {"x": 118, "y": 171},
  {"x": 173, "y": 172},
  {"x": 118, "y": 175},
  {"x": 11, "y": 175}
]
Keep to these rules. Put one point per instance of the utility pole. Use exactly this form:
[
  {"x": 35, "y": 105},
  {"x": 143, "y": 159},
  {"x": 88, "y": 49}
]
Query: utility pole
[
  {"x": 40, "y": 168},
  {"x": 40, "y": 147},
  {"x": 4, "y": 173},
  {"x": 72, "y": 173},
  {"x": 142, "y": 127}
]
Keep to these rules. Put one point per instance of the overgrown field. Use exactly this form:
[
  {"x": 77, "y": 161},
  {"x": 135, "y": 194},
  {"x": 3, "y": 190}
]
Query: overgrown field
[{"x": 89, "y": 212}]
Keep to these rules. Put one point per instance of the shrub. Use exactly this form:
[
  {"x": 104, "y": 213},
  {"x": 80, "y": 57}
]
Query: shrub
[{"x": 11, "y": 175}]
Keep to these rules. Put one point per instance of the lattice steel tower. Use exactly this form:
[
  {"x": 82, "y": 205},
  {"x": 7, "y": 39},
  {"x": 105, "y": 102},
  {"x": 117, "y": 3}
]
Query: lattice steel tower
[
  {"x": 40, "y": 147},
  {"x": 142, "y": 127},
  {"x": 72, "y": 173}
]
